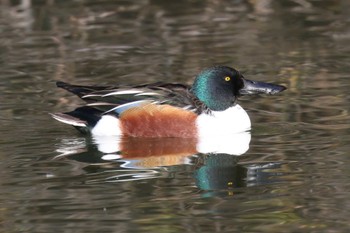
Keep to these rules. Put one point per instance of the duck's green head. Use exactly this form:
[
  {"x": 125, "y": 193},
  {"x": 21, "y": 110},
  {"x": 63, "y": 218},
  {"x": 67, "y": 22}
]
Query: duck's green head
[{"x": 218, "y": 87}]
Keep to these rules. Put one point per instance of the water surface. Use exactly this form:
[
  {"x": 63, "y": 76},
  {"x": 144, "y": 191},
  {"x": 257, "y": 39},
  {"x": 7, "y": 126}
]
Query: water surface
[{"x": 293, "y": 178}]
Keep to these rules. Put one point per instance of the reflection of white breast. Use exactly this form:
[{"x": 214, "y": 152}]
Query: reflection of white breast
[{"x": 233, "y": 144}]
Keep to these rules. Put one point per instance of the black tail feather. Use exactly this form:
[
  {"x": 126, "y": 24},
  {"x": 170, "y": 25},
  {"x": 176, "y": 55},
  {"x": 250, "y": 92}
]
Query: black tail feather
[
  {"x": 79, "y": 90},
  {"x": 87, "y": 114},
  {"x": 83, "y": 118}
]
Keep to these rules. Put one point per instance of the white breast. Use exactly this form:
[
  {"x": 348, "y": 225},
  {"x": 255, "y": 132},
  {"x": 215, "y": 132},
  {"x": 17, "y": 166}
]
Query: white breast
[
  {"x": 232, "y": 120},
  {"x": 224, "y": 132}
]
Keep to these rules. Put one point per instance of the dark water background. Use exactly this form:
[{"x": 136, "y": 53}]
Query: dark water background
[{"x": 295, "y": 176}]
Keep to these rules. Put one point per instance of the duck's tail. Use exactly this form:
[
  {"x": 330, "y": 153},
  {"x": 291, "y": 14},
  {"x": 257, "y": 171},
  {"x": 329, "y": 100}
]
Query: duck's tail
[{"x": 83, "y": 118}]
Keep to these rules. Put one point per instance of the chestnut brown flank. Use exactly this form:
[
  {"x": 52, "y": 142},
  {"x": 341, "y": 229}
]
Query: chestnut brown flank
[{"x": 153, "y": 120}]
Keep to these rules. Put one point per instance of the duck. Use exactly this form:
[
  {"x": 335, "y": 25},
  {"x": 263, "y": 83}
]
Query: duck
[{"x": 207, "y": 107}]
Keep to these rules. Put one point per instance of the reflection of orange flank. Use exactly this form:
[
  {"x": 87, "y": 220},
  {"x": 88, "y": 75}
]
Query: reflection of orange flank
[
  {"x": 152, "y": 120},
  {"x": 140, "y": 148},
  {"x": 154, "y": 152}
]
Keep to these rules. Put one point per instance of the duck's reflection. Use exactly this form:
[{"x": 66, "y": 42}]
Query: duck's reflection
[
  {"x": 220, "y": 171},
  {"x": 215, "y": 160},
  {"x": 224, "y": 172},
  {"x": 160, "y": 152}
]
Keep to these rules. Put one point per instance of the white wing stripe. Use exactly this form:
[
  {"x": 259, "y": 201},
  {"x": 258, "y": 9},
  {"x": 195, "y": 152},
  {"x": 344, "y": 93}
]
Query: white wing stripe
[
  {"x": 126, "y": 92},
  {"x": 147, "y": 93}
]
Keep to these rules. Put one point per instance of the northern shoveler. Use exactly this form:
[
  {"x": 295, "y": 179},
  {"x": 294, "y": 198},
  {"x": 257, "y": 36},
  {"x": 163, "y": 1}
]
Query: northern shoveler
[{"x": 208, "y": 107}]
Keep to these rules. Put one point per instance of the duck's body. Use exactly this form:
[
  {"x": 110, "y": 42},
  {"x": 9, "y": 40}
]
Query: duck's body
[
  {"x": 154, "y": 120},
  {"x": 208, "y": 107}
]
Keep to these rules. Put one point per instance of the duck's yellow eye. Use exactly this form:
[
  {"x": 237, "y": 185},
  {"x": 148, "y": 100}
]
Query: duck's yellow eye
[{"x": 227, "y": 78}]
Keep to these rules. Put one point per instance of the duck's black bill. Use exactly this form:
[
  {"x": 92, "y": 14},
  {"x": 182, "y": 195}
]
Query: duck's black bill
[{"x": 255, "y": 87}]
